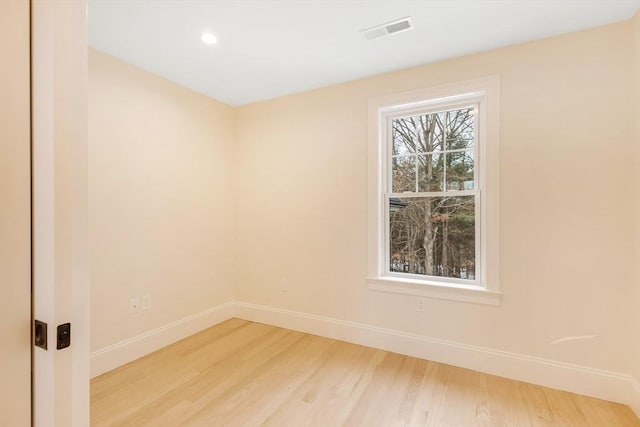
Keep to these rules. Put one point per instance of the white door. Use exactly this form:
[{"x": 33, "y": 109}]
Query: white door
[
  {"x": 15, "y": 215},
  {"x": 59, "y": 221},
  {"x": 43, "y": 207}
]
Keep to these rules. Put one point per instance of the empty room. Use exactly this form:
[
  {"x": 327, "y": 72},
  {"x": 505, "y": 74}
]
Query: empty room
[{"x": 326, "y": 213}]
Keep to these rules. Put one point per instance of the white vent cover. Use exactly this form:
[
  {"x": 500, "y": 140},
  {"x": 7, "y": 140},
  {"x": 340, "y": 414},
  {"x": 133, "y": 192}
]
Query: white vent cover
[{"x": 393, "y": 27}]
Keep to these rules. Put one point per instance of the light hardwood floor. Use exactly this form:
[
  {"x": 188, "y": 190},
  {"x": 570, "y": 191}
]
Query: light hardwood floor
[{"x": 241, "y": 373}]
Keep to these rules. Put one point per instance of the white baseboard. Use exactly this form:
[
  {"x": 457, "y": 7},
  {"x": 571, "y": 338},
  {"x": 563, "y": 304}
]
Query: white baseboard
[
  {"x": 607, "y": 385},
  {"x": 635, "y": 406},
  {"x": 583, "y": 380},
  {"x": 126, "y": 351}
]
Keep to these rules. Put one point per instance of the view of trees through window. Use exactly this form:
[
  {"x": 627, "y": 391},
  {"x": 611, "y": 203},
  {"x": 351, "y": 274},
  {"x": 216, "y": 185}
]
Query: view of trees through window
[{"x": 432, "y": 228}]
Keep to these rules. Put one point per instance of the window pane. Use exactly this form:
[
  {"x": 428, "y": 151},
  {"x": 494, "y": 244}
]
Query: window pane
[
  {"x": 402, "y": 141},
  {"x": 460, "y": 129},
  {"x": 430, "y": 172},
  {"x": 433, "y": 236},
  {"x": 422, "y": 133},
  {"x": 460, "y": 170},
  {"x": 404, "y": 173}
]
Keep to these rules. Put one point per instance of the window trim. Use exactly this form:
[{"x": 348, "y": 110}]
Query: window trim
[{"x": 485, "y": 92}]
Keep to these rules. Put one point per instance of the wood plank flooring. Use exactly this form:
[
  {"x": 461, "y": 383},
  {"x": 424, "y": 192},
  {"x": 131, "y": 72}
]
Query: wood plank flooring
[{"x": 245, "y": 374}]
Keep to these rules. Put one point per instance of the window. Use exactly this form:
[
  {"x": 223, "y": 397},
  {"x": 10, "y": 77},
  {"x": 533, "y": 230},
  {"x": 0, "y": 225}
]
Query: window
[{"x": 433, "y": 192}]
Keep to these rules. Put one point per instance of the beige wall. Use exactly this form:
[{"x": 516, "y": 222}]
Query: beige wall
[
  {"x": 160, "y": 215},
  {"x": 15, "y": 247},
  {"x": 567, "y": 245},
  {"x": 180, "y": 183}
]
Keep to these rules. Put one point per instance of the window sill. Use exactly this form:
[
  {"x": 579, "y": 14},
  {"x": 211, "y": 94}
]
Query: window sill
[{"x": 448, "y": 291}]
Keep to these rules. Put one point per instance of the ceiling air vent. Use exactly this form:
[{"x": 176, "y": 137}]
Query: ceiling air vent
[{"x": 387, "y": 29}]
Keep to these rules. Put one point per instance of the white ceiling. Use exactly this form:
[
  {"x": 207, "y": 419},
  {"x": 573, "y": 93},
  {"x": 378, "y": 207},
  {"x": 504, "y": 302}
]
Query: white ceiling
[{"x": 270, "y": 48}]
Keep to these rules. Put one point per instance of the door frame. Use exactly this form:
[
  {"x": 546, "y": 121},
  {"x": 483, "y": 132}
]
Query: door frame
[{"x": 60, "y": 278}]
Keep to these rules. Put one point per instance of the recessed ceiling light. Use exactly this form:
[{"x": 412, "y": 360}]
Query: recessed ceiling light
[{"x": 208, "y": 38}]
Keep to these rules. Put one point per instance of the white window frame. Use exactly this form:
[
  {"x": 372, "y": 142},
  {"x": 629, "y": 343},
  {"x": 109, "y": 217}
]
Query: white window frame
[{"x": 485, "y": 94}]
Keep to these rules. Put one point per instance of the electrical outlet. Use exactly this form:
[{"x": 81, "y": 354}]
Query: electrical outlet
[
  {"x": 146, "y": 302},
  {"x": 420, "y": 305},
  {"x": 284, "y": 285},
  {"x": 134, "y": 305}
]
